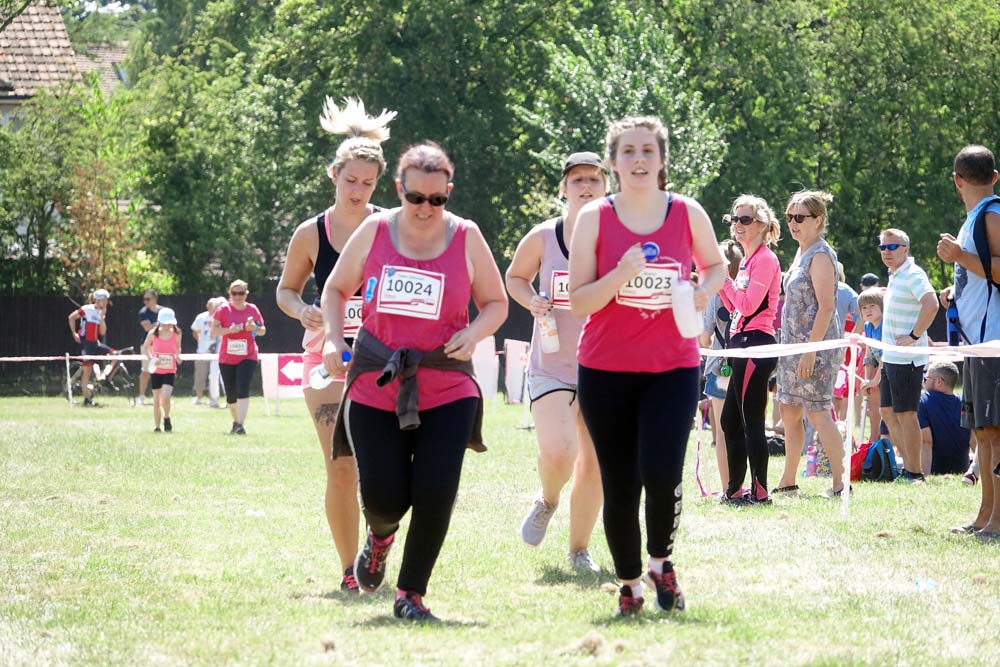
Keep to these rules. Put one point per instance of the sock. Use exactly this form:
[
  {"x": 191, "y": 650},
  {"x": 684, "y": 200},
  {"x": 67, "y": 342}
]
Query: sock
[
  {"x": 400, "y": 594},
  {"x": 636, "y": 590},
  {"x": 657, "y": 565}
]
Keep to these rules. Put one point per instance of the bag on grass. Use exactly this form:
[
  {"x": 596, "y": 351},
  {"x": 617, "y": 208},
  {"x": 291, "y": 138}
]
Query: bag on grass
[
  {"x": 880, "y": 462},
  {"x": 775, "y": 445},
  {"x": 858, "y": 460}
]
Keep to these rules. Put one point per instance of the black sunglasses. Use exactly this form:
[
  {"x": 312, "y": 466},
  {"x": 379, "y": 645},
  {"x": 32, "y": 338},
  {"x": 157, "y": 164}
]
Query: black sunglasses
[
  {"x": 797, "y": 217},
  {"x": 745, "y": 220},
  {"x": 242, "y": 293},
  {"x": 417, "y": 199},
  {"x": 890, "y": 246}
]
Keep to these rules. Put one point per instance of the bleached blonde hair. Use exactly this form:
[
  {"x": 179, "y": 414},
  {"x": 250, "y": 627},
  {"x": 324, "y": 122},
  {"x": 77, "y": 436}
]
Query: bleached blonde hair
[{"x": 365, "y": 133}]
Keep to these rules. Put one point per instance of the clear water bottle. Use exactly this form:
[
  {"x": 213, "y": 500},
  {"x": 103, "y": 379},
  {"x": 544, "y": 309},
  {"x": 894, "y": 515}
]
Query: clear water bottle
[
  {"x": 320, "y": 379},
  {"x": 548, "y": 331}
]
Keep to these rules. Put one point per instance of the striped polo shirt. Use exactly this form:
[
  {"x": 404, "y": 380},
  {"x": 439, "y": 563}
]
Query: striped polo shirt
[{"x": 902, "y": 307}]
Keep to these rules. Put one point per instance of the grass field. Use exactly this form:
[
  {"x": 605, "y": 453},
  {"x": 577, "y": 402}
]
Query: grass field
[{"x": 123, "y": 547}]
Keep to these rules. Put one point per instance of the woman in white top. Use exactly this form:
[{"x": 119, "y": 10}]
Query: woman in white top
[{"x": 564, "y": 443}]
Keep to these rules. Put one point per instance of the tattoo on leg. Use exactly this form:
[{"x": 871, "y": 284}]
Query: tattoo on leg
[{"x": 326, "y": 414}]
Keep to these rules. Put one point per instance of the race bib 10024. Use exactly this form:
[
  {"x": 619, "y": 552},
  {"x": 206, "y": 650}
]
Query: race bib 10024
[
  {"x": 652, "y": 289},
  {"x": 560, "y": 289},
  {"x": 410, "y": 292},
  {"x": 236, "y": 347}
]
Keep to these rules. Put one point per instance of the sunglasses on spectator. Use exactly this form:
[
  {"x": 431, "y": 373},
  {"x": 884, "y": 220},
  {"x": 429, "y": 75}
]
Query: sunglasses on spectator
[
  {"x": 240, "y": 293},
  {"x": 744, "y": 220},
  {"x": 417, "y": 198},
  {"x": 890, "y": 246},
  {"x": 797, "y": 217}
]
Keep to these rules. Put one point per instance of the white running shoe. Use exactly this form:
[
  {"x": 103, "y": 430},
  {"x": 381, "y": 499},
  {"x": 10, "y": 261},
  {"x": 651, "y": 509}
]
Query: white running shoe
[
  {"x": 195, "y": 401},
  {"x": 142, "y": 400},
  {"x": 582, "y": 562},
  {"x": 537, "y": 522}
]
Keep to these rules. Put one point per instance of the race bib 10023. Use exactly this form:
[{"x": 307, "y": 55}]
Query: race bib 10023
[
  {"x": 652, "y": 289},
  {"x": 560, "y": 289},
  {"x": 410, "y": 292}
]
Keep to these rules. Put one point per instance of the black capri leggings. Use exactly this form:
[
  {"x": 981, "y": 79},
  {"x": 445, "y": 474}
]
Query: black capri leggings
[
  {"x": 742, "y": 417},
  {"x": 418, "y": 469},
  {"x": 640, "y": 423},
  {"x": 236, "y": 378}
]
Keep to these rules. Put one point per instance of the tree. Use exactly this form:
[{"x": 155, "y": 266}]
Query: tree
[{"x": 10, "y": 10}]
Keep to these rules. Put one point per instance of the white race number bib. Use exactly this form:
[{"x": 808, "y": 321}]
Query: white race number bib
[
  {"x": 652, "y": 289},
  {"x": 236, "y": 347},
  {"x": 560, "y": 289},
  {"x": 352, "y": 316},
  {"x": 410, "y": 292},
  {"x": 165, "y": 361}
]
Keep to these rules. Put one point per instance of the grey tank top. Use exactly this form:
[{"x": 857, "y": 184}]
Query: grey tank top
[{"x": 553, "y": 279}]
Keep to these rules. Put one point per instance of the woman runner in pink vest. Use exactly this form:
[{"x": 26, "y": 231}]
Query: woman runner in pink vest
[
  {"x": 638, "y": 377},
  {"x": 411, "y": 404}
]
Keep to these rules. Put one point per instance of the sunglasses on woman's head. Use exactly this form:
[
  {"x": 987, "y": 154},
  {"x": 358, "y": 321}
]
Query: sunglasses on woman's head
[
  {"x": 417, "y": 198},
  {"x": 744, "y": 220},
  {"x": 889, "y": 246},
  {"x": 797, "y": 217}
]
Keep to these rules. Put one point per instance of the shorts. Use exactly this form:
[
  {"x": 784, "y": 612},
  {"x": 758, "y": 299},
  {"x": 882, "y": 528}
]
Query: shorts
[
  {"x": 311, "y": 360},
  {"x": 900, "y": 386},
  {"x": 157, "y": 380},
  {"x": 543, "y": 385},
  {"x": 980, "y": 392},
  {"x": 94, "y": 347},
  {"x": 716, "y": 386}
]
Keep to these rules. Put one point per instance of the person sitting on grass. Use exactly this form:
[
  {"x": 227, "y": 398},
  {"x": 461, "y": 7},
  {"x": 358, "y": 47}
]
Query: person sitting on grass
[{"x": 944, "y": 441}]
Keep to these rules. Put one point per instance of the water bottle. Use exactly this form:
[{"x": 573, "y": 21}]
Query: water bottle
[
  {"x": 548, "y": 331},
  {"x": 689, "y": 322},
  {"x": 952, "y": 320},
  {"x": 320, "y": 379}
]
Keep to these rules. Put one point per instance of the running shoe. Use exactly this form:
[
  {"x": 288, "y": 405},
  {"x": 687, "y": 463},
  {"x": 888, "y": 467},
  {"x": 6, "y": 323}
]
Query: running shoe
[
  {"x": 142, "y": 400},
  {"x": 369, "y": 566},
  {"x": 582, "y": 562},
  {"x": 89, "y": 403},
  {"x": 213, "y": 403},
  {"x": 232, "y": 431},
  {"x": 195, "y": 401},
  {"x": 668, "y": 593},
  {"x": 348, "y": 583},
  {"x": 907, "y": 477},
  {"x": 410, "y": 607},
  {"x": 628, "y": 605},
  {"x": 239, "y": 430},
  {"x": 970, "y": 478},
  {"x": 537, "y": 522},
  {"x": 167, "y": 426},
  {"x": 739, "y": 499},
  {"x": 156, "y": 430}
]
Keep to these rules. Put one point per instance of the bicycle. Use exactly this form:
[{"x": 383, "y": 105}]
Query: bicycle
[{"x": 113, "y": 378}]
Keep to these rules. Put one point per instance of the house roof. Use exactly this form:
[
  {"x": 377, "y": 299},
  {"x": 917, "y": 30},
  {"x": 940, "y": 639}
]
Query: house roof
[
  {"x": 107, "y": 61},
  {"x": 35, "y": 51}
]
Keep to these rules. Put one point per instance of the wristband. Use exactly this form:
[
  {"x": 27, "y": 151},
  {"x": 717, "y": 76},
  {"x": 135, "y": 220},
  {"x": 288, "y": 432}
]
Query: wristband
[{"x": 913, "y": 335}]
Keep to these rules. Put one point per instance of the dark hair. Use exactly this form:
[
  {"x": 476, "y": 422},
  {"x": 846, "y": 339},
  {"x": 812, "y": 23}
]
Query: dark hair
[
  {"x": 975, "y": 164},
  {"x": 427, "y": 157}
]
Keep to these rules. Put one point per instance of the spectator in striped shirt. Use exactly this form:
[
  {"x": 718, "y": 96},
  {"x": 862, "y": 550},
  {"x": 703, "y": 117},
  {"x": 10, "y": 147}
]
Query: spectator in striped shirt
[{"x": 910, "y": 307}]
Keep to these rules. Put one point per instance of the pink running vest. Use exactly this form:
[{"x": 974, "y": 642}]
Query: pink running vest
[
  {"x": 624, "y": 338},
  {"x": 418, "y": 304},
  {"x": 163, "y": 350}
]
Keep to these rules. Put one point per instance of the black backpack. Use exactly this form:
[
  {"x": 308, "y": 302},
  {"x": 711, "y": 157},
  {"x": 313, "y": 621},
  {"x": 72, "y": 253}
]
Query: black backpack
[{"x": 880, "y": 462}]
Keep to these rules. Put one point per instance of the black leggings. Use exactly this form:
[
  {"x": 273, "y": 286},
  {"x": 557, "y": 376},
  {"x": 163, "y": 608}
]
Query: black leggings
[
  {"x": 236, "y": 379},
  {"x": 419, "y": 469},
  {"x": 742, "y": 417},
  {"x": 640, "y": 423}
]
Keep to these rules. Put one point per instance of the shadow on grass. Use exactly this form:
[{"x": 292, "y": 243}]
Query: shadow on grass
[
  {"x": 382, "y": 597},
  {"x": 651, "y": 614},
  {"x": 391, "y": 621},
  {"x": 557, "y": 576}
]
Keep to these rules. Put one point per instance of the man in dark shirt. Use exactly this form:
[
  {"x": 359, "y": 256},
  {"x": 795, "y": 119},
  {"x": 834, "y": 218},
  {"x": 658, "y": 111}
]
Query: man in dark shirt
[
  {"x": 945, "y": 443},
  {"x": 147, "y": 320}
]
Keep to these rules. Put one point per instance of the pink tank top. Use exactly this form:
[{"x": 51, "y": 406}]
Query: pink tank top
[
  {"x": 418, "y": 304},
  {"x": 625, "y": 336},
  {"x": 553, "y": 279},
  {"x": 163, "y": 350}
]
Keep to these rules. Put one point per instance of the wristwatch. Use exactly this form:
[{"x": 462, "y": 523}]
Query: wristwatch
[{"x": 913, "y": 335}]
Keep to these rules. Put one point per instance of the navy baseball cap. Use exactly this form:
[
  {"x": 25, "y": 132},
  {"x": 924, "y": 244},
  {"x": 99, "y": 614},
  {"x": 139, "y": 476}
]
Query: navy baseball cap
[
  {"x": 869, "y": 280},
  {"x": 583, "y": 158}
]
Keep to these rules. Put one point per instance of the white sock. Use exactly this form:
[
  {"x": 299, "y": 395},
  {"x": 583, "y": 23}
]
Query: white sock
[
  {"x": 636, "y": 590},
  {"x": 656, "y": 564}
]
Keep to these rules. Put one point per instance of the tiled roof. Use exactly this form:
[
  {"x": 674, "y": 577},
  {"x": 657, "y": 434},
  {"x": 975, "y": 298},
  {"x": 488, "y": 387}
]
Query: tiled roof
[
  {"x": 107, "y": 61},
  {"x": 35, "y": 51}
]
